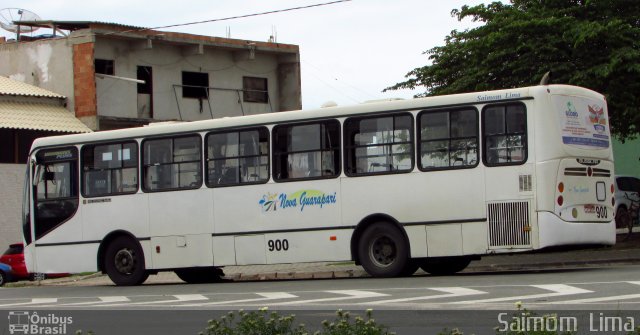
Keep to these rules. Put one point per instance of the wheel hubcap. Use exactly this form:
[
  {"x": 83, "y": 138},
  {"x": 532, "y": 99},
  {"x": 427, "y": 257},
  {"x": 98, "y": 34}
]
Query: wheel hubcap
[
  {"x": 125, "y": 261},
  {"x": 383, "y": 251}
]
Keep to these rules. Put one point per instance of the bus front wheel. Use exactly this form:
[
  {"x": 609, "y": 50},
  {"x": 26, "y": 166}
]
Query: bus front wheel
[
  {"x": 124, "y": 262},
  {"x": 383, "y": 251}
]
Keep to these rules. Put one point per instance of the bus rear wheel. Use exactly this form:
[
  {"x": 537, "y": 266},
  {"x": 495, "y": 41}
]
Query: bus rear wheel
[
  {"x": 383, "y": 251},
  {"x": 124, "y": 262},
  {"x": 200, "y": 275},
  {"x": 445, "y": 266},
  {"x": 624, "y": 221}
]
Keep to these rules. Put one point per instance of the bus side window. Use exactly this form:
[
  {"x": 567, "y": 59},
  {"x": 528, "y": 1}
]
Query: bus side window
[
  {"x": 172, "y": 163},
  {"x": 505, "y": 134},
  {"x": 448, "y": 139},
  {"x": 378, "y": 145},
  {"x": 109, "y": 169},
  {"x": 238, "y": 157},
  {"x": 306, "y": 151}
]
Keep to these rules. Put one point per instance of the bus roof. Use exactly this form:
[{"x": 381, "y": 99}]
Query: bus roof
[{"x": 305, "y": 115}]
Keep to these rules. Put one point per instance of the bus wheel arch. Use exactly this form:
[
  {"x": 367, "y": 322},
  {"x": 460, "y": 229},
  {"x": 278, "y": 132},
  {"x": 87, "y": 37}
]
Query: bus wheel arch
[
  {"x": 380, "y": 244},
  {"x": 121, "y": 257}
]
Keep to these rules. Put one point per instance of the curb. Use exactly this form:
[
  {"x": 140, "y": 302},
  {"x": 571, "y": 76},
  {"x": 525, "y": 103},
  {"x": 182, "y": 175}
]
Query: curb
[{"x": 360, "y": 273}]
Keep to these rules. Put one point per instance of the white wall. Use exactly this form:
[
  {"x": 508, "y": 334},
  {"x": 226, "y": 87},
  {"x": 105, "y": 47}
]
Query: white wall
[
  {"x": 11, "y": 186},
  {"x": 47, "y": 64}
]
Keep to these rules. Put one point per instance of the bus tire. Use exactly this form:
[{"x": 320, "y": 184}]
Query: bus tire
[
  {"x": 624, "y": 220},
  {"x": 445, "y": 266},
  {"x": 124, "y": 262},
  {"x": 200, "y": 275},
  {"x": 410, "y": 268},
  {"x": 383, "y": 251}
]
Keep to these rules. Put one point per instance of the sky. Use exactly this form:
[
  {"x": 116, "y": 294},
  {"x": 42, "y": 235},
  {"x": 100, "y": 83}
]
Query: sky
[{"x": 349, "y": 51}]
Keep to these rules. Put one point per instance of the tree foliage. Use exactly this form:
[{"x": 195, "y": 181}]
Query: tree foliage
[{"x": 589, "y": 43}]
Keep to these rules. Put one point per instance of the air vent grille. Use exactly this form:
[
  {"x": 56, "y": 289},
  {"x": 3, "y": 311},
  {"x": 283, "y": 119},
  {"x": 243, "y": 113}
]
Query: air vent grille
[
  {"x": 525, "y": 183},
  {"x": 509, "y": 224}
]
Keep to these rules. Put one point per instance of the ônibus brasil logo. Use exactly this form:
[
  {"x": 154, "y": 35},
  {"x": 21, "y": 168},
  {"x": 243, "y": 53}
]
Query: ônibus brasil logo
[{"x": 34, "y": 324}]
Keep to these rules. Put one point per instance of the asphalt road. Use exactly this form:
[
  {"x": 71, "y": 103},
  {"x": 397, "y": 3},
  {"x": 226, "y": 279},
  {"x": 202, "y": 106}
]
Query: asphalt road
[{"x": 415, "y": 305}]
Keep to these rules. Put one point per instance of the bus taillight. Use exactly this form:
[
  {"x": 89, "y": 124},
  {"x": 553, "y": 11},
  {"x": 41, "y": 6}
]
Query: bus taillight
[
  {"x": 613, "y": 190},
  {"x": 560, "y": 200},
  {"x": 561, "y": 187}
]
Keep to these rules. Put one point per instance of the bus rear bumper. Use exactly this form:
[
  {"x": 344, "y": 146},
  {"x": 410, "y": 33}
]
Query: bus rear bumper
[{"x": 557, "y": 232}]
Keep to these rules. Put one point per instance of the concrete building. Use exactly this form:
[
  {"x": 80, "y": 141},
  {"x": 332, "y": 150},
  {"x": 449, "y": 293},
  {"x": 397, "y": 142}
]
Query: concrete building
[
  {"x": 118, "y": 76},
  {"x": 26, "y": 112},
  {"x": 113, "y": 76}
]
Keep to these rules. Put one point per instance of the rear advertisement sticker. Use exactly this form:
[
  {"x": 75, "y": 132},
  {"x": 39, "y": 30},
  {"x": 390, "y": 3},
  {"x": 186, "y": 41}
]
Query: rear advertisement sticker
[{"x": 583, "y": 121}]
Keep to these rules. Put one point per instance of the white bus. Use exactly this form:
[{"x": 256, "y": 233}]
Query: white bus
[{"x": 431, "y": 183}]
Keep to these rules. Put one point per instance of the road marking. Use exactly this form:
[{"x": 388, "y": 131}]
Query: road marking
[
  {"x": 351, "y": 294},
  {"x": 103, "y": 300},
  {"x": 558, "y": 290},
  {"x": 601, "y": 299},
  {"x": 34, "y": 301},
  {"x": 265, "y": 296},
  {"x": 451, "y": 292},
  {"x": 114, "y": 299},
  {"x": 179, "y": 298}
]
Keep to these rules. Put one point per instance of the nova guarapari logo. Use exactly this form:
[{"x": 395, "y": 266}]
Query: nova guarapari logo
[{"x": 300, "y": 199}]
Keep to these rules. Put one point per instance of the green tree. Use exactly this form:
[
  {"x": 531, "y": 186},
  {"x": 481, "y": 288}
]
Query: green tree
[{"x": 589, "y": 43}]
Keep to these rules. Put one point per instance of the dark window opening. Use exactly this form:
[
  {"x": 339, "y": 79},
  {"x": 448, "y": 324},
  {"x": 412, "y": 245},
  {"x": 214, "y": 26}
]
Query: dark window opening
[
  {"x": 255, "y": 89},
  {"x": 195, "y": 85},
  {"x": 145, "y": 92},
  {"x": 144, "y": 73},
  {"x": 104, "y": 66}
]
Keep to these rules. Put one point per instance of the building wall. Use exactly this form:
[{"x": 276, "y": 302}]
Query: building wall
[
  {"x": 225, "y": 69},
  {"x": 11, "y": 184},
  {"x": 84, "y": 81},
  {"x": 627, "y": 157},
  {"x": 65, "y": 66},
  {"x": 46, "y": 64}
]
